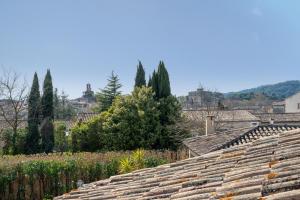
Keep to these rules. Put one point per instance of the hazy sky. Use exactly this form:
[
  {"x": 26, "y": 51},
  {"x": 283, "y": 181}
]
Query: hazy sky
[{"x": 223, "y": 44}]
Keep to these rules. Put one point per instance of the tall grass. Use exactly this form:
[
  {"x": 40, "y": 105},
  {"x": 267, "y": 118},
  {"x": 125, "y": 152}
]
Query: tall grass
[{"x": 44, "y": 176}]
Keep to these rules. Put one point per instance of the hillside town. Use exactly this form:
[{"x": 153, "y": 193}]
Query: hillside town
[{"x": 99, "y": 100}]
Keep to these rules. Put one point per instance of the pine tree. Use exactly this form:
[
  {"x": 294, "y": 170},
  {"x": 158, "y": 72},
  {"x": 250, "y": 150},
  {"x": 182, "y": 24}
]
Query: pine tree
[
  {"x": 47, "y": 129},
  {"x": 33, "y": 136},
  {"x": 140, "y": 76},
  {"x": 107, "y": 95},
  {"x": 164, "y": 89}
]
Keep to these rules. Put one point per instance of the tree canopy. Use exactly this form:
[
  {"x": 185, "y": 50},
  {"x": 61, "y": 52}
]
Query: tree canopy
[{"x": 107, "y": 95}]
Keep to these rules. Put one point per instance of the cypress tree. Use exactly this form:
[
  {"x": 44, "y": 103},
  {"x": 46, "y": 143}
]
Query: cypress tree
[
  {"x": 164, "y": 89},
  {"x": 155, "y": 86},
  {"x": 33, "y": 136},
  {"x": 150, "y": 81},
  {"x": 47, "y": 130},
  {"x": 47, "y": 98},
  {"x": 56, "y": 104},
  {"x": 107, "y": 95},
  {"x": 140, "y": 76}
]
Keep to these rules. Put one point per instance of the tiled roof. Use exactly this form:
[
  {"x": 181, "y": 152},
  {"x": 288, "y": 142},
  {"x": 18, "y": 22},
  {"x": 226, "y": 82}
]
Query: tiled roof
[
  {"x": 266, "y": 168},
  {"x": 221, "y": 116},
  {"x": 278, "y": 103},
  {"x": 203, "y": 144},
  {"x": 279, "y": 117}
]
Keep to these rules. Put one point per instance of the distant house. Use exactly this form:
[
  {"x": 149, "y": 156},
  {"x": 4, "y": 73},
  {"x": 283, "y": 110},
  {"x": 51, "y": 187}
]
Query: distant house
[
  {"x": 292, "y": 103},
  {"x": 202, "y": 98},
  {"x": 86, "y": 102},
  {"x": 279, "y": 118},
  {"x": 278, "y": 107},
  {"x": 223, "y": 120},
  {"x": 289, "y": 105}
]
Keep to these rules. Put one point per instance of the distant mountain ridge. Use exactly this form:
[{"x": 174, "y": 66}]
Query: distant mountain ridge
[{"x": 278, "y": 91}]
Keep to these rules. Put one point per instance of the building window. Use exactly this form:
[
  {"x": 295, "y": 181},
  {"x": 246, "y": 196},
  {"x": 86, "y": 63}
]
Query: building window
[{"x": 298, "y": 105}]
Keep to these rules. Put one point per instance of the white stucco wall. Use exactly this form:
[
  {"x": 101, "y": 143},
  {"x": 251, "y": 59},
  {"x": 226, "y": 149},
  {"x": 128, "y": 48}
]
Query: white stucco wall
[{"x": 291, "y": 104}]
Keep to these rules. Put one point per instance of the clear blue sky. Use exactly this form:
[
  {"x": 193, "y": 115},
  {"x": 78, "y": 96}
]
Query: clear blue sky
[{"x": 228, "y": 45}]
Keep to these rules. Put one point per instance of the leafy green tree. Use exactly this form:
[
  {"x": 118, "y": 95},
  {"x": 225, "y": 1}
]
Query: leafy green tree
[
  {"x": 62, "y": 106},
  {"x": 47, "y": 128},
  {"x": 107, "y": 95},
  {"x": 60, "y": 138},
  {"x": 88, "y": 136},
  {"x": 20, "y": 145},
  {"x": 140, "y": 79},
  {"x": 33, "y": 136},
  {"x": 133, "y": 121}
]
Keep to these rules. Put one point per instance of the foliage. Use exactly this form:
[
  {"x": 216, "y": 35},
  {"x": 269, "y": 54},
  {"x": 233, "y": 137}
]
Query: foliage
[
  {"x": 47, "y": 98},
  {"x": 126, "y": 165},
  {"x": 160, "y": 82},
  {"x": 33, "y": 136},
  {"x": 88, "y": 136},
  {"x": 47, "y": 129},
  {"x": 107, "y": 95},
  {"x": 277, "y": 91},
  {"x": 62, "y": 107},
  {"x": 164, "y": 89},
  {"x": 57, "y": 174},
  {"x": 133, "y": 121},
  {"x": 60, "y": 138},
  {"x": 140, "y": 76},
  {"x": 138, "y": 160},
  {"x": 13, "y": 94},
  {"x": 20, "y": 146}
]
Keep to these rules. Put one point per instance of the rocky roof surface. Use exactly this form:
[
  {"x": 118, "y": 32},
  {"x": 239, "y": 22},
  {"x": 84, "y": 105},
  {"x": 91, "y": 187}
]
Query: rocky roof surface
[
  {"x": 222, "y": 116},
  {"x": 265, "y": 168}
]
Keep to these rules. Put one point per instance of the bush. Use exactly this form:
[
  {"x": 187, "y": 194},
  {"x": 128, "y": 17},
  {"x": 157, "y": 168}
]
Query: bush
[
  {"x": 138, "y": 160},
  {"x": 55, "y": 174},
  {"x": 6, "y": 137}
]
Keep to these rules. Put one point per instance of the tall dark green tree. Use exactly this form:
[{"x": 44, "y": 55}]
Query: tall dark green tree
[
  {"x": 56, "y": 104},
  {"x": 33, "y": 136},
  {"x": 107, "y": 95},
  {"x": 164, "y": 89},
  {"x": 154, "y": 83},
  {"x": 47, "y": 129},
  {"x": 140, "y": 79},
  {"x": 150, "y": 81},
  {"x": 47, "y": 98}
]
